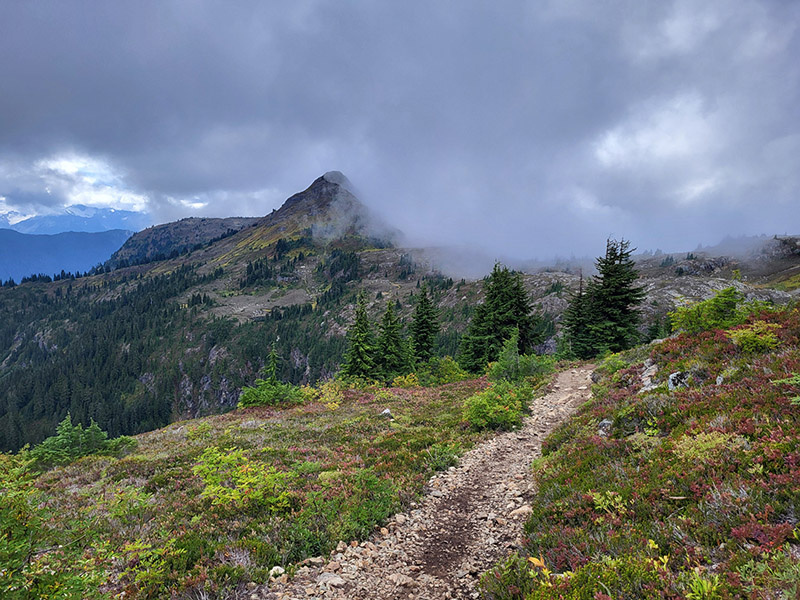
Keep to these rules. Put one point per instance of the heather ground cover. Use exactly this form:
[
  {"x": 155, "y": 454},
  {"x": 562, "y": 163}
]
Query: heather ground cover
[
  {"x": 686, "y": 493},
  {"x": 207, "y": 505}
]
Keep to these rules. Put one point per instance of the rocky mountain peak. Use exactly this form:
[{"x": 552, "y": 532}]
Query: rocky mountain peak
[
  {"x": 331, "y": 209},
  {"x": 338, "y": 178},
  {"x": 331, "y": 188}
]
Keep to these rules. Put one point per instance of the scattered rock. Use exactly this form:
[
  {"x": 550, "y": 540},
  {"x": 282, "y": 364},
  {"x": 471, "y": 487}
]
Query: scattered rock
[
  {"x": 522, "y": 511},
  {"x": 330, "y": 579},
  {"x": 678, "y": 379},
  {"x": 604, "y": 427},
  {"x": 276, "y": 571},
  {"x": 650, "y": 370},
  {"x": 400, "y": 579}
]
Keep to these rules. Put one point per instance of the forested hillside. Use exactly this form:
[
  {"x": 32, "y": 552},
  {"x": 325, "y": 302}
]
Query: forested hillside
[
  {"x": 138, "y": 346},
  {"x": 134, "y": 351}
]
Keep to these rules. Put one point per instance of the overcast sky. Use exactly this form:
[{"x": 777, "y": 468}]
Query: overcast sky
[{"x": 526, "y": 128}]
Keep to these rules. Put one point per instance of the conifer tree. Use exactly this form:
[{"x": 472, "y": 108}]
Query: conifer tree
[
  {"x": 576, "y": 324},
  {"x": 424, "y": 327},
  {"x": 606, "y": 317},
  {"x": 271, "y": 368},
  {"x": 505, "y": 307},
  {"x": 615, "y": 298},
  {"x": 393, "y": 355},
  {"x": 358, "y": 361}
]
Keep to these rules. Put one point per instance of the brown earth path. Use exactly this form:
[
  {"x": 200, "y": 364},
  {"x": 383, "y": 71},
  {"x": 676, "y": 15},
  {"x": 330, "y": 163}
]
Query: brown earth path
[{"x": 470, "y": 516}]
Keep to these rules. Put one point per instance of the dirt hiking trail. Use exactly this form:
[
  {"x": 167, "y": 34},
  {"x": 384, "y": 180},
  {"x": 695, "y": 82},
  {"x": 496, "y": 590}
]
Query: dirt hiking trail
[{"x": 470, "y": 516}]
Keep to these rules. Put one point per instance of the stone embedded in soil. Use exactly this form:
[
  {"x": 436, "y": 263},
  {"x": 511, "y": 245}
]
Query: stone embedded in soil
[
  {"x": 400, "y": 579},
  {"x": 276, "y": 571},
  {"x": 522, "y": 511},
  {"x": 330, "y": 580}
]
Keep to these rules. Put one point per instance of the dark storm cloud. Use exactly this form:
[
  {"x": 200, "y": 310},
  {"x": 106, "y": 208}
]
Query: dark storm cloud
[{"x": 528, "y": 130}]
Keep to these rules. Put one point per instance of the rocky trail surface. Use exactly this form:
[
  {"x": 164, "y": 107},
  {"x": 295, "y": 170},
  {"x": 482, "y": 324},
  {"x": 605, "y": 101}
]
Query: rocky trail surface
[{"x": 471, "y": 516}]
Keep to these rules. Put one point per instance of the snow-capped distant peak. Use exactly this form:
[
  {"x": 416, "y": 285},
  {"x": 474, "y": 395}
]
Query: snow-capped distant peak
[
  {"x": 13, "y": 217},
  {"x": 80, "y": 210}
]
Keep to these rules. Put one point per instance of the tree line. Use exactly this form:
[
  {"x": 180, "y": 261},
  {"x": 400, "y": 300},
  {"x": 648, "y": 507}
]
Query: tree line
[
  {"x": 139, "y": 356},
  {"x": 390, "y": 353},
  {"x": 602, "y": 317}
]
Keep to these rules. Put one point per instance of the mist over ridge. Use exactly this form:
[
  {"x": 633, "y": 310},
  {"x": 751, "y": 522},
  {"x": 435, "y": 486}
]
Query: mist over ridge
[{"x": 528, "y": 132}]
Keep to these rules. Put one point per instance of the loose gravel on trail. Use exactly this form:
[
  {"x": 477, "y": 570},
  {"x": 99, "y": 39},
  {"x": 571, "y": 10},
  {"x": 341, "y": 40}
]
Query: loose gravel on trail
[{"x": 471, "y": 516}]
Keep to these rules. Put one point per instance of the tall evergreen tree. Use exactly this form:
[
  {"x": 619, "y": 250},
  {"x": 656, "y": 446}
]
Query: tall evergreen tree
[
  {"x": 393, "y": 355},
  {"x": 606, "y": 317},
  {"x": 506, "y": 306},
  {"x": 424, "y": 327},
  {"x": 615, "y": 298},
  {"x": 358, "y": 361},
  {"x": 271, "y": 368},
  {"x": 576, "y": 324}
]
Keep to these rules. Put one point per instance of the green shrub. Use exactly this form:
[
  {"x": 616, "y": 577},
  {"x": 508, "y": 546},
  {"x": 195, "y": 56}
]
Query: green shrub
[
  {"x": 621, "y": 578},
  {"x": 500, "y": 406},
  {"x": 148, "y": 570},
  {"x": 755, "y": 338},
  {"x": 370, "y": 502},
  {"x": 724, "y": 310},
  {"x": 612, "y": 363},
  {"x": 442, "y": 456},
  {"x": 26, "y": 573},
  {"x": 706, "y": 445},
  {"x": 234, "y": 481},
  {"x": 327, "y": 518},
  {"x": 512, "y": 579},
  {"x": 72, "y": 442},
  {"x": 794, "y": 381},
  {"x": 779, "y": 567},
  {"x": 270, "y": 392},
  {"x": 513, "y": 366},
  {"x": 439, "y": 371},
  {"x": 703, "y": 588},
  {"x": 406, "y": 381}
]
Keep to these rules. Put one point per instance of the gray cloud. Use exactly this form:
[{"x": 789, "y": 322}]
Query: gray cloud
[{"x": 529, "y": 130}]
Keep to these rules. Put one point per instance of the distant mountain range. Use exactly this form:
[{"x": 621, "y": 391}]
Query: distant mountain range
[
  {"x": 23, "y": 254},
  {"x": 79, "y": 218}
]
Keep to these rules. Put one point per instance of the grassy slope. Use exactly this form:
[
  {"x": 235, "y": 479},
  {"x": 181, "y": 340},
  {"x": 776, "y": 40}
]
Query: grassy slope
[
  {"x": 694, "y": 493},
  {"x": 289, "y": 483}
]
